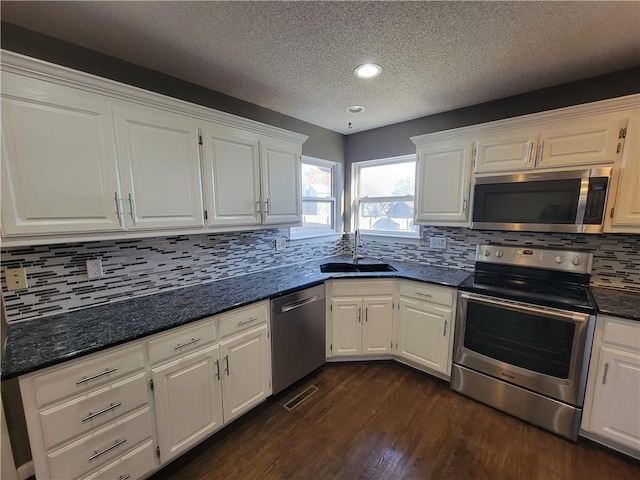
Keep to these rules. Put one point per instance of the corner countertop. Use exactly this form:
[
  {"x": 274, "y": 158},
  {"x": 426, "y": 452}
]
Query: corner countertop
[
  {"x": 39, "y": 343},
  {"x": 619, "y": 303}
]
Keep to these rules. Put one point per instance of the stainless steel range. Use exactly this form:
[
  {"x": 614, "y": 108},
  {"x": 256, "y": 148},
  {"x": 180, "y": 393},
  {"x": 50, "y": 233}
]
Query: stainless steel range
[{"x": 524, "y": 329}]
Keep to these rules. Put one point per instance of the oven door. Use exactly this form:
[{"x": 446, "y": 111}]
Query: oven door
[{"x": 541, "y": 349}]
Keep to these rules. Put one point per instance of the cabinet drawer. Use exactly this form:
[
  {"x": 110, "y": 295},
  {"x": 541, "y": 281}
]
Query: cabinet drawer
[
  {"x": 243, "y": 318},
  {"x": 87, "y": 374},
  {"x": 355, "y": 288},
  {"x": 102, "y": 446},
  {"x": 619, "y": 332},
  {"x": 130, "y": 467},
  {"x": 184, "y": 340},
  {"x": 427, "y": 292},
  {"x": 87, "y": 412}
]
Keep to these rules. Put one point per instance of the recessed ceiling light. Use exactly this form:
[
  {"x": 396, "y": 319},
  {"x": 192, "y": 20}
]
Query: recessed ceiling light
[
  {"x": 355, "y": 109},
  {"x": 368, "y": 70}
]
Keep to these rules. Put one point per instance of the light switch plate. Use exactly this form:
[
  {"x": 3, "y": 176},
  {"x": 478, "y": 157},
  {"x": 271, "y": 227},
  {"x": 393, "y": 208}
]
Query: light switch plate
[
  {"x": 439, "y": 243},
  {"x": 16, "y": 278},
  {"x": 281, "y": 244}
]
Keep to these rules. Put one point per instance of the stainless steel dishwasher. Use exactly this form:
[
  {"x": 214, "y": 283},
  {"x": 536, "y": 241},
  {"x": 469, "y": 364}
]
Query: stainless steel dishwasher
[{"x": 298, "y": 327}]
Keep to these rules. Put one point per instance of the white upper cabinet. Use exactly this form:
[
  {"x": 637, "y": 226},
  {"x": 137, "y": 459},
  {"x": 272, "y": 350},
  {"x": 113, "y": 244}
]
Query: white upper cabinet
[
  {"x": 85, "y": 158},
  {"x": 506, "y": 151},
  {"x": 443, "y": 182},
  {"x": 594, "y": 140},
  {"x": 59, "y": 170},
  {"x": 250, "y": 179},
  {"x": 281, "y": 182},
  {"x": 623, "y": 212},
  {"x": 159, "y": 161},
  {"x": 231, "y": 176}
]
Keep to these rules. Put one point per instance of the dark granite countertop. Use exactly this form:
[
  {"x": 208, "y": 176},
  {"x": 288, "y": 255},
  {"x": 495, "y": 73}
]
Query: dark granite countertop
[
  {"x": 619, "y": 303},
  {"x": 39, "y": 343}
]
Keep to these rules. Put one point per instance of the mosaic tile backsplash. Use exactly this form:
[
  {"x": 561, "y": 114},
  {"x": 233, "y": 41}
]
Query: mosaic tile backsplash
[
  {"x": 616, "y": 258},
  {"x": 58, "y": 279},
  {"x": 136, "y": 267}
]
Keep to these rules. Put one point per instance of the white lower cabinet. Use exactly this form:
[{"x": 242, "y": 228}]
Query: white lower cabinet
[
  {"x": 86, "y": 413},
  {"x": 246, "y": 371},
  {"x": 424, "y": 332},
  {"x": 94, "y": 417},
  {"x": 361, "y": 323},
  {"x": 188, "y": 396},
  {"x": 611, "y": 409}
]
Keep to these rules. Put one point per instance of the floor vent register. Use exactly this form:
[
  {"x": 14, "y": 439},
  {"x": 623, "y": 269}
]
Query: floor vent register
[{"x": 301, "y": 397}]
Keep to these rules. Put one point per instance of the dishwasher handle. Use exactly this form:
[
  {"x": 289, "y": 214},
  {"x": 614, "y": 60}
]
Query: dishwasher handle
[{"x": 300, "y": 303}]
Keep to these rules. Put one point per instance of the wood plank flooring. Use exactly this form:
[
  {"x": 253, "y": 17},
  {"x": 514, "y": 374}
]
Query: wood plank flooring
[{"x": 382, "y": 420}]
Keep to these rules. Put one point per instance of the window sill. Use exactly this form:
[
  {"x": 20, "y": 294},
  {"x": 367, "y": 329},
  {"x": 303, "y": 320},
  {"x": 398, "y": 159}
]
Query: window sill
[
  {"x": 328, "y": 237},
  {"x": 391, "y": 238}
]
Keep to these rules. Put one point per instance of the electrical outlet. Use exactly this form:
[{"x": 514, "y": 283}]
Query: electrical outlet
[
  {"x": 94, "y": 268},
  {"x": 281, "y": 244},
  {"x": 439, "y": 243},
  {"x": 16, "y": 278}
]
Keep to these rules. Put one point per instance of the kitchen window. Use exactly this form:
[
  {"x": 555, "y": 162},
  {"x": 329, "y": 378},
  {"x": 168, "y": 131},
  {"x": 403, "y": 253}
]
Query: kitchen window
[
  {"x": 383, "y": 196},
  {"x": 321, "y": 191}
]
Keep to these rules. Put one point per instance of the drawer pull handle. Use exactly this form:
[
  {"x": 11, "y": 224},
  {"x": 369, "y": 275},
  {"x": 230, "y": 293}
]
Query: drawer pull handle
[
  {"x": 217, "y": 369},
  {"x": 191, "y": 342},
  {"x": 226, "y": 360},
  {"x": 103, "y": 411},
  {"x": 422, "y": 294},
  {"x": 446, "y": 324},
  {"x": 97, "y": 375},
  {"x": 124, "y": 477},
  {"x": 244, "y": 322},
  {"x": 108, "y": 449}
]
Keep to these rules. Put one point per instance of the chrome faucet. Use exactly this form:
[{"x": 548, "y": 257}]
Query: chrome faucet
[{"x": 357, "y": 242}]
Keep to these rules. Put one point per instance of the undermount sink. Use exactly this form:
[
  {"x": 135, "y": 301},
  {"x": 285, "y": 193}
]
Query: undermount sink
[{"x": 343, "y": 267}]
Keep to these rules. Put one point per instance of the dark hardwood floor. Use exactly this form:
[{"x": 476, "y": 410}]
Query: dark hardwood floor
[{"x": 381, "y": 420}]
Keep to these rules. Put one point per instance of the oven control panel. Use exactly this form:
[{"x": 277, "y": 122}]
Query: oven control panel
[{"x": 546, "y": 258}]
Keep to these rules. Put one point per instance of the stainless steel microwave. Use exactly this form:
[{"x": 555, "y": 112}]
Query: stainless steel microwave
[{"x": 566, "y": 201}]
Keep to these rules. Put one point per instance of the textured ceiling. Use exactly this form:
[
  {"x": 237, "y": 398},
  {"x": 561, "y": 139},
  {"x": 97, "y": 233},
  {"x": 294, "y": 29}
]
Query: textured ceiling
[{"x": 297, "y": 58}]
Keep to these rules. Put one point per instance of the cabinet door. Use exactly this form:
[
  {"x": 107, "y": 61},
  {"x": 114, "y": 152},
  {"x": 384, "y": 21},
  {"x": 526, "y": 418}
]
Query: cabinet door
[
  {"x": 59, "y": 173},
  {"x": 615, "y": 413},
  {"x": 593, "y": 140},
  {"x": 423, "y": 334},
  {"x": 443, "y": 183},
  {"x": 188, "y": 399},
  {"x": 231, "y": 176},
  {"x": 506, "y": 151},
  {"x": 281, "y": 182},
  {"x": 158, "y": 154},
  {"x": 624, "y": 202},
  {"x": 246, "y": 367},
  {"x": 346, "y": 326},
  {"x": 377, "y": 328}
]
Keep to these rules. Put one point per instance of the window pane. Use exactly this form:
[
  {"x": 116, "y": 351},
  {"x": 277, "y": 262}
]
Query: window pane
[
  {"x": 316, "y": 181},
  {"x": 397, "y": 179},
  {"x": 317, "y": 214},
  {"x": 387, "y": 216}
]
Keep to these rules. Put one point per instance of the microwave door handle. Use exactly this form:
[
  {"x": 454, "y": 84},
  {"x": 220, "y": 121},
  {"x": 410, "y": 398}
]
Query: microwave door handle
[
  {"x": 582, "y": 200},
  {"x": 520, "y": 307}
]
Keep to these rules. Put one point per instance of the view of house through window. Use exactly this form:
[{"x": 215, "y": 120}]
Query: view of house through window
[
  {"x": 384, "y": 196},
  {"x": 319, "y": 209}
]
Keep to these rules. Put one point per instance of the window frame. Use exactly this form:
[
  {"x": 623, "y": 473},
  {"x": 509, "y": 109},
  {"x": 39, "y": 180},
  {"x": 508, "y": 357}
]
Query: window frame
[
  {"x": 336, "y": 198},
  {"x": 357, "y": 200}
]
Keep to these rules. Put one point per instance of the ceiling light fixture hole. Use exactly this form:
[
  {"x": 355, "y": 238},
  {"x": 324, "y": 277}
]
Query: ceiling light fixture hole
[{"x": 355, "y": 109}]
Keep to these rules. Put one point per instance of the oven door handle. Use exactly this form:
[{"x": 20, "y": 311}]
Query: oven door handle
[{"x": 523, "y": 307}]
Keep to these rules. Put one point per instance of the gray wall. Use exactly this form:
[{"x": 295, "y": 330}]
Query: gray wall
[{"x": 322, "y": 143}]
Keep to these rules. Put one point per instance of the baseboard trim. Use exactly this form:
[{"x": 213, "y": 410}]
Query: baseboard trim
[{"x": 26, "y": 470}]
